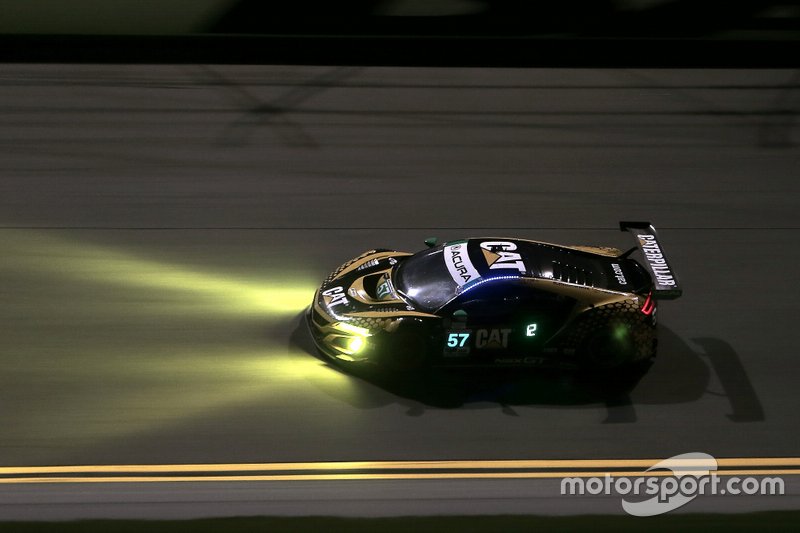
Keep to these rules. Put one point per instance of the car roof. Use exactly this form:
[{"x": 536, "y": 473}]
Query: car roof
[
  {"x": 442, "y": 273},
  {"x": 489, "y": 257}
]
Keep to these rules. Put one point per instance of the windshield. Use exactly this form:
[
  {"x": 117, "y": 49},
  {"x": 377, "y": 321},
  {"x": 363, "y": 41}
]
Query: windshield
[{"x": 424, "y": 279}]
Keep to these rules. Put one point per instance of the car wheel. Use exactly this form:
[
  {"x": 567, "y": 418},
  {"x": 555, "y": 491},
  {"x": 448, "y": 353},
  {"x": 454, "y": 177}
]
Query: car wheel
[
  {"x": 607, "y": 350},
  {"x": 408, "y": 352}
]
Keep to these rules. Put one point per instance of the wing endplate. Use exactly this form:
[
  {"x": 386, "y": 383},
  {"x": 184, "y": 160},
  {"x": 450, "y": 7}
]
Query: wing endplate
[{"x": 666, "y": 286}]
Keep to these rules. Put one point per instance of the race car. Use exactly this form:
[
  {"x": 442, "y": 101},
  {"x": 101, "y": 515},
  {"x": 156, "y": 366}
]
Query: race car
[{"x": 496, "y": 302}]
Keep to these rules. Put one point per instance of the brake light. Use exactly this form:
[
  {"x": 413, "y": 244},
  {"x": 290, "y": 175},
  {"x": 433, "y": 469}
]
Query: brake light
[{"x": 649, "y": 305}]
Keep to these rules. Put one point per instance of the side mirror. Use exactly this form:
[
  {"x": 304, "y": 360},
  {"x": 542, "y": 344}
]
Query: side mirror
[{"x": 431, "y": 241}]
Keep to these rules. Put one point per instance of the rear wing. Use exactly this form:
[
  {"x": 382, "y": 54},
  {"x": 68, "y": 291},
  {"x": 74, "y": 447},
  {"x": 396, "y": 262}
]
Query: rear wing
[{"x": 664, "y": 279}]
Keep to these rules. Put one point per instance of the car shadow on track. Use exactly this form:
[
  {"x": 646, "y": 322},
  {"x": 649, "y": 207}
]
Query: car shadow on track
[{"x": 679, "y": 374}]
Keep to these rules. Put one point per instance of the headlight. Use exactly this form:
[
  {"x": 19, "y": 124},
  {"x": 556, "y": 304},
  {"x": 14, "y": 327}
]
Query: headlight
[
  {"x": 351, "y": 341},
  {"x": 356, "y": 344}
]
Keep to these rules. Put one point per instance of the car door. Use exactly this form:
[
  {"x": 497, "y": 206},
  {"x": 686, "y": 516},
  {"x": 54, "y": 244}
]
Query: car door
[{"x": 504, "y": 320}]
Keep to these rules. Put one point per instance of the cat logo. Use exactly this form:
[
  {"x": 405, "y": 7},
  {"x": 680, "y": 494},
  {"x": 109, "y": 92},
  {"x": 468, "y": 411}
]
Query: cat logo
[
  {"x": 334, "y": 297},
  {"x": 501, "y": 254},
  {"x": 491, "y": 339}
]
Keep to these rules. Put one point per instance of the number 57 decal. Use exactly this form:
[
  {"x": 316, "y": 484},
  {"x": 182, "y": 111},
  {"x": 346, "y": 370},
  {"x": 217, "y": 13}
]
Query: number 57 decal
[{"x": 457, "y": 340}]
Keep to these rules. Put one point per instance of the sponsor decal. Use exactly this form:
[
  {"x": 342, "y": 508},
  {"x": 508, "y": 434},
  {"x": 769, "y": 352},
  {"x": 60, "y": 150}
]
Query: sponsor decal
[
  {"x": 618, "y": 274},
  {"x": 334, "y": 296},
  {"x": 459, "y": 265},
  {"x": 509, "y": 360},
  {"x": 492, "y": 338},
  {"x": 652, "y": 252},
  {"x": 534, "y": 361},
  {"x": 384, "y": 288},
  {"x": 501, "y": 254}
]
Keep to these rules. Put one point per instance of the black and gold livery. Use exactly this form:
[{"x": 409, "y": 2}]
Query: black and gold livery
[{"x": 498, "y": 302}]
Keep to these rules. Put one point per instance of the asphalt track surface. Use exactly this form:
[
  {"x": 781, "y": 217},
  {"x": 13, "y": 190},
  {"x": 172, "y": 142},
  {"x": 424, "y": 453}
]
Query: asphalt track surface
[{"x": 162, "y": 229}]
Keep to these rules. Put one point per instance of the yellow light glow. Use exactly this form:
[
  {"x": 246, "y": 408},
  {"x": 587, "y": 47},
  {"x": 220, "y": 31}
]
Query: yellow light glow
[
  {"x": 127, "y": 343},
  {"x": 344, "y": 326},
  {"x": 356, "y": 344},
  {"x": 203, "y": 292}
]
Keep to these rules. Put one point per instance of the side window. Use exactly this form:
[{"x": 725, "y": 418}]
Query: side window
[
  {"x": 509, "y": 300},
  {"x": 519, "y": 308},
  {"x": 495, "y": 299}
]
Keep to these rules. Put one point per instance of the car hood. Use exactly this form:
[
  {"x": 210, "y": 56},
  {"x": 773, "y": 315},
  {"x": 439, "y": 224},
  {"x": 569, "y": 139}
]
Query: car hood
[{"x": 364, "y": 285}]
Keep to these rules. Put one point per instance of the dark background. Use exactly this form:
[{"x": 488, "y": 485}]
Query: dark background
[{"x": 580, "y": 33}]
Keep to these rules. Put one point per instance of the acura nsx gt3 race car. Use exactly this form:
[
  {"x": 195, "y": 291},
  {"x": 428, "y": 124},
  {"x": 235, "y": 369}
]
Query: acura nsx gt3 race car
[{"x": 496, "y": 302}]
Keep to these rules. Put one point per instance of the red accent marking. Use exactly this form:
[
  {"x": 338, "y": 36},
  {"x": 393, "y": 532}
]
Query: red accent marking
[{"x": 649, "y": 305}]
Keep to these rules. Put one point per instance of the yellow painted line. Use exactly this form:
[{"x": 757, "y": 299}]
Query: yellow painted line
[
  {"x": 759, "y": 461},
  {"x": 398, "y": 465},
  {"x": 379, "y": 476}
]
